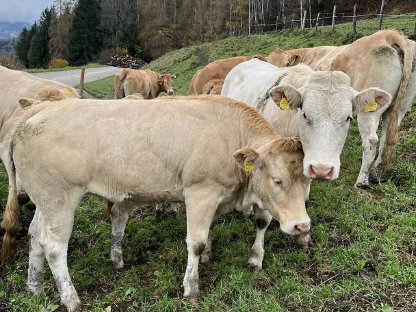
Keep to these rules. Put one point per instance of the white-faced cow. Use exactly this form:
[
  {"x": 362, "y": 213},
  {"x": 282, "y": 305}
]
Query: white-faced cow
[
  {"x": 315, "y": 105},
  {"x": 145, "y": 82},
  {"x": 383, "y": 60},
  {"x": 129, "y": 165}
]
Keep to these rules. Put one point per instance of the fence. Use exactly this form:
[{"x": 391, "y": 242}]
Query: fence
[{"x": 403, "y": 22}]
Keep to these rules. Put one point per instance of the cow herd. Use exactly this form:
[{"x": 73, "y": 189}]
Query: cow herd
[{"x": 253, "y": 132}]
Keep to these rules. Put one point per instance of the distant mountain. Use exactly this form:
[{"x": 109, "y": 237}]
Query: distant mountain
[{"x": 11, "y": 30}]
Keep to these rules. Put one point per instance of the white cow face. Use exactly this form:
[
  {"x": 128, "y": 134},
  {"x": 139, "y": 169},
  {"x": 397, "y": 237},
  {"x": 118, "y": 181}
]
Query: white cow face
[
  {"x": 277, "y": 183},
  {"x": 326, "y": 106}
]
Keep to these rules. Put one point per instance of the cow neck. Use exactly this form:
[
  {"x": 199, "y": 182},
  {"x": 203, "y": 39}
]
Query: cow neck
[{"x": 261, "y": 102}]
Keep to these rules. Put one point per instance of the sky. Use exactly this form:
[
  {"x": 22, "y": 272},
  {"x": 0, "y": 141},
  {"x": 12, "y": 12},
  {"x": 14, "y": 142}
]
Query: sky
[{"x": 25, "y": 11}]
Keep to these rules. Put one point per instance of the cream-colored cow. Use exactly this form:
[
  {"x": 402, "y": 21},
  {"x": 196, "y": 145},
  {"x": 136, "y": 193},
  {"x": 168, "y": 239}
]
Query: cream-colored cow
[
  {"x": 128, "y": 164},
  {"x": 145, "y": 82},
  {"x": 383, "y": 60}
]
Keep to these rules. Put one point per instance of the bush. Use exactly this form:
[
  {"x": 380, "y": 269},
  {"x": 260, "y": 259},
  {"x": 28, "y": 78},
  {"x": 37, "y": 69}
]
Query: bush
[
  {"x": 58, "y": 63},
  {"x": 10, "y": 61}
]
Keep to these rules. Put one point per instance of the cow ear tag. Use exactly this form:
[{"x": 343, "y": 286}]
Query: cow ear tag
[
  {"x": 248, "y": 166},
  {"x": 284, "y": 104},
  {"x": 371, "y": 107}
]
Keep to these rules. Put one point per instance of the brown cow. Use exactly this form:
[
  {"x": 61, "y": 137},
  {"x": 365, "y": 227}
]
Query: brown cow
[
  {"x": 383, "y": 60},
  {"x": 213, "y": 86},
  {"x": 220, "y": 68},
  {"x": 146, "y": 82}
]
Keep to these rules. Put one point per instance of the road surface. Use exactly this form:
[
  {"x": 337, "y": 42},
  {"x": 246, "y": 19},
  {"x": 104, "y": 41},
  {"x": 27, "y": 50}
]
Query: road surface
[{"x": 71, "y": 77}]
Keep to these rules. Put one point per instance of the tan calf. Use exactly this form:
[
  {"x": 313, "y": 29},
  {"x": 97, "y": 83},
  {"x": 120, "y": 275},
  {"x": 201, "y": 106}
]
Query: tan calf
[
  {"x": 145, "y": 82},
  {"x": 129, "y": 165}
]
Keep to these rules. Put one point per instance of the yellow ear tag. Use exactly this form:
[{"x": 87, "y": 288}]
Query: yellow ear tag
[
  {"x": 284, "y": 104},
  {"x": 248, "y": 167},
  {"x": 371, "y": 107}
]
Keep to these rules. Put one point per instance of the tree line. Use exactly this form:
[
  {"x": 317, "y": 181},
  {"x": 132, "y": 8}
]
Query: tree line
[{"x": 82, "y": 31}]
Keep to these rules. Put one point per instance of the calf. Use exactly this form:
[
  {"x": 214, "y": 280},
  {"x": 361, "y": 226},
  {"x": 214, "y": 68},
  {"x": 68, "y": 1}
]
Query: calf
[
  {"x": 129, "y": 165},
  {"x": 145, "y": 82}
]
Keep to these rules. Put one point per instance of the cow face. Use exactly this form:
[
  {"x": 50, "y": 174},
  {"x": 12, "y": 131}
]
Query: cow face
[
  {"x": 326, "y": 105},
  {"x": 280, "y": 58},
  {"x": 277, "y": 183},
  {"x": 166, "y": 83}
]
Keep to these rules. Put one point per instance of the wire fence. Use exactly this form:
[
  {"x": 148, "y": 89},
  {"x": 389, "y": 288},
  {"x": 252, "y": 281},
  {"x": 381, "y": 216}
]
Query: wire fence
[{"x": 363, "y": 23}]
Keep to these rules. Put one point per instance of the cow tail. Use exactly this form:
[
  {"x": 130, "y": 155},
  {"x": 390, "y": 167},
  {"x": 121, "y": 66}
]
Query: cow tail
[
  {"x": 118, "y": 85},
  {"x": 11, "y": 213},
  {"x": 392, "y": 134}
]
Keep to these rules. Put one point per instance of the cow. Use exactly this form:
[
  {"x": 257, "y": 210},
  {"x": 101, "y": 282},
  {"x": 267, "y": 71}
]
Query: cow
[
  {"x": 383, "y": 60},
  {"x": 146, "y": 82},
  {"x": 129, "y": 165},
  {"x": 17, "y": 85},
  {"x": 134, "y": 96},
  {"x": 220, "y": 68},
  {"x": 315, "y": 105}
]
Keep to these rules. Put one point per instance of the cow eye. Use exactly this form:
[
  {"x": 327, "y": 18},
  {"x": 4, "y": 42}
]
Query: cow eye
[
  {"x": 306, "y": 118},
  {"x": 278, "y": 182}
]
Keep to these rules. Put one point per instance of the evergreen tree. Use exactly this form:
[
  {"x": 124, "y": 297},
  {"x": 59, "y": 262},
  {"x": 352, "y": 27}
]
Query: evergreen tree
[
  {"x": 39, "y": 52},
  {"x": 85, "y": 36},
  {"x": 23, "y": 45}
]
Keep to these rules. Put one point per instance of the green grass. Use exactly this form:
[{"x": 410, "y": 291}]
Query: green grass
[
  {"x": 363, "y": 257},
  {"x": 45, "y": 70}
]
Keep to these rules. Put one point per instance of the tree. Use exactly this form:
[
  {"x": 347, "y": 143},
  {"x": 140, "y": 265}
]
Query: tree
[
  {"x": 23, "y": 44},
  {"x": 59, "y": 30},
  {"x": 39, "y": 47},
  {"x": 85, "y": 34}
]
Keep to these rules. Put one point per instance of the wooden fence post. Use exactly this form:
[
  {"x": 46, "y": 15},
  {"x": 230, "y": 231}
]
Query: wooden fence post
[
  {"x": 303, "y": 20},
  {"x": 81, "y": 82},
  {"x": 380, "y": 16},
  {"x": 414, "y": 32},
  {"x": 354, "y": 20},
  {"x": 317, "y": 21},
  {"x": 333, "y": 18}
]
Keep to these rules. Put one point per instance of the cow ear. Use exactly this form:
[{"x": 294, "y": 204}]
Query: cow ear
[
  {"x": 294, "y": 59},
  {"x": 246, "y": 158},
  {"x": 370, "y": 100},
  {"x": 286, "y": 97},
  {"x": 26, "y": 102}
]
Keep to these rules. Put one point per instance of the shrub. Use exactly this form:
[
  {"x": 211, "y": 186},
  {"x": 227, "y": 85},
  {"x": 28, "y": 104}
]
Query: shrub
[
  {"x": 58, "y": 63},
  {"x": 10, "y": 61}
]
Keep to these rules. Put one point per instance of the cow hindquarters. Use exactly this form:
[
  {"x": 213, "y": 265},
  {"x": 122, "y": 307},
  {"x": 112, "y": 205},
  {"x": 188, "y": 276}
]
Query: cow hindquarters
[{"x": 201, "y": 205}]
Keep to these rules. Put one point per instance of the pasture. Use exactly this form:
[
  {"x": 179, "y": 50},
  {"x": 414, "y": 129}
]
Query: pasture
[{"x": 363, "y": 257}]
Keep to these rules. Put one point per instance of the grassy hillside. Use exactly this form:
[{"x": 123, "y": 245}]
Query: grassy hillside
[{"x": 363, "y": 257}]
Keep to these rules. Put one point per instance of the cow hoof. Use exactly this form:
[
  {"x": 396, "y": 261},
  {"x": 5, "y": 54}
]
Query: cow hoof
[
  {"x": 254, "y": 267},
  {"x": 117, "y": 260},
  {"x": 375, "y": 175},
  {"x": 194, "y": 303},
  {"x": 361, "y": 185}
]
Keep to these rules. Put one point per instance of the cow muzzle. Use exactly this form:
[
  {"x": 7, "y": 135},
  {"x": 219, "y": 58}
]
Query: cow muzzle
[
  {"x": 170, "y": 92},
  {"x": 321, "y": 172},
  {"x": 296, "y": 227}
]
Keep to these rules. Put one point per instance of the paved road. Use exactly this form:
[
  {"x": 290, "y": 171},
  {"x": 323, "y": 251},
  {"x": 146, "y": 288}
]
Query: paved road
[{"x": 71, "y": 77}]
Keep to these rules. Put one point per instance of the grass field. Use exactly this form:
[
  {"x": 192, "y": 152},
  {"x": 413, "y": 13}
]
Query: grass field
[{"x": 363, "y": 257}]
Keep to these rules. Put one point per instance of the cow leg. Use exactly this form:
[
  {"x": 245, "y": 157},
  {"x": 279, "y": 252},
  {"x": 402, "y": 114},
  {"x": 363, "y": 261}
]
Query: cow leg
[
  {"x": 119, "y": 217},
  {"x": 367, "y": 125},
  {"x": 56, "y": 230},
  {"x": 263, "y": 219},
  {"x": 375, "y": 173},
  {"x": 201, "y": 205},
  {"x": 207, "y": 253},
  {"x": 36, "y": 254}
]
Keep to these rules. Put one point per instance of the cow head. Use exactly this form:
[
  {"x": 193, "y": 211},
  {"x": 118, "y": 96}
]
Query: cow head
[
  {"x": 277, "y": 183},
  {"x": 326, "y": 106},
  {"x": 51, "y": 94},
  {"x": 280, "y": 58},
  {"x": 166, "y": 83}
]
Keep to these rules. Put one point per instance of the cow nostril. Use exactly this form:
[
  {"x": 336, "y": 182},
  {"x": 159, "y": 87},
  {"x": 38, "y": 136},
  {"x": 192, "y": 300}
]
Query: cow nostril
[
  {"x": 330, "y": 173},
  {"x": 312, "y": 173},
  {"x": 303, "y": 228}
]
